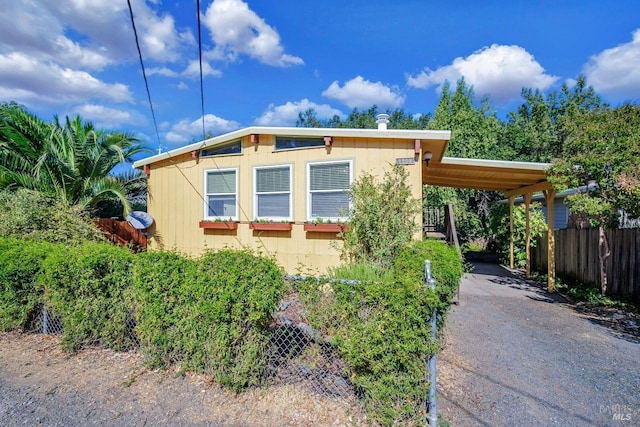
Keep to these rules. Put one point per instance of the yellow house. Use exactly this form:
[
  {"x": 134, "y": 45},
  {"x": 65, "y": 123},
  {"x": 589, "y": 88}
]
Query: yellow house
[{"x": 269, "y": 188}]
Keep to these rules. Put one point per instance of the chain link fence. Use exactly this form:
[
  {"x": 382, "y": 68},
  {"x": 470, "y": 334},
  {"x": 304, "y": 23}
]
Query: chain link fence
[{"x": 297, "y": 354}]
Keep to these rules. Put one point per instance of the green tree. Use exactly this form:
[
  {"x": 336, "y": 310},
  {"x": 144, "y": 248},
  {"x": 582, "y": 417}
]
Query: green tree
[
  {"x": 70, "y": 160},
  {"x": 382, "y": 218},
  {"x": 537, "y": 129},
  {"x": 602, "y": 147},
  {"x": 474, "y": 134}
]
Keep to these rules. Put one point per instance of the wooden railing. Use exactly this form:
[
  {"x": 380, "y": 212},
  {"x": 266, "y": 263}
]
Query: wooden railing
[
  {"x": 122, "y": 233},
  {"x": 439, "y": 223}
]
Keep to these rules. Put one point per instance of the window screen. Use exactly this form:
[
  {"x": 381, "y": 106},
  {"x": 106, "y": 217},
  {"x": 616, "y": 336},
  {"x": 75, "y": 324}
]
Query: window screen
[
  {"x": 273, "y": 193},
  {"x": 328, "y": 185},
  {"x": 221, "y": 194}
]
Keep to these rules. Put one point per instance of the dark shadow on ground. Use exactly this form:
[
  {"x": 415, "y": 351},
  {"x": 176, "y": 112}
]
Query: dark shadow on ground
[
  {"x": 523, "y": 393},
  {"x": 623, "y": 325}
]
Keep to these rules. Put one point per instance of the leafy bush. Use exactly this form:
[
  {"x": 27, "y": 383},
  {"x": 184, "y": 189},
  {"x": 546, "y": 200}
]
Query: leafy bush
[
  {"x": 34, "y": 216},
  {"x": 211, "y": 314},
  {"x": 381, "y": 327},
  {"x": 85, "y": 286},
  {"x": 20, "y": 266},
  {"x": 160, "y": 306},
  {"x": 382, "y": 218}
]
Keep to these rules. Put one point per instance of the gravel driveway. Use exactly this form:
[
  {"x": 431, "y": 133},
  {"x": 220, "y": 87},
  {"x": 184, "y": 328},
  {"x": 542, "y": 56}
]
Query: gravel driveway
[{"x": 517, "y": 356}]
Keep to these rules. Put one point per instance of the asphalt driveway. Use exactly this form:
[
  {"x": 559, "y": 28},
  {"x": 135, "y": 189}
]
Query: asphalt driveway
[{"x": 516, "y": 356}]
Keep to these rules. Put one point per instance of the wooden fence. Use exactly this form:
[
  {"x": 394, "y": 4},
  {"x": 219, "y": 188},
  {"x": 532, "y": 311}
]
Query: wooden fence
[
  {"x": 122, "y": 233},
  {"x": 577, "y": 257}
]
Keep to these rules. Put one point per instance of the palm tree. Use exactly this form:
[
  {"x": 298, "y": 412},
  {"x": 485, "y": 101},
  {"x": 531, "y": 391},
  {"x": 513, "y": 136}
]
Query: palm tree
[{"x": 70, "y": 160}]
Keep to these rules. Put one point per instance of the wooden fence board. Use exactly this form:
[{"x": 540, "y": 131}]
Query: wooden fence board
[{"x": 577, "y": 256}]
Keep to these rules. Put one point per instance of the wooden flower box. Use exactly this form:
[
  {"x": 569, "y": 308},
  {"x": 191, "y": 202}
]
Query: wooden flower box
[
  {"x": 219, "y": 225},
  {"x": 325, "y": 228},
  {"x": 270, "y": 226}
]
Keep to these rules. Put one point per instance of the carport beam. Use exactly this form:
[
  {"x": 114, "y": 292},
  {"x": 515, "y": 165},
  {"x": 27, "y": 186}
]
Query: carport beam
[
  {"x": 549, "y": 196},
  {"x": 527, "y": 242},
  {"x": 512, "y": 200}
]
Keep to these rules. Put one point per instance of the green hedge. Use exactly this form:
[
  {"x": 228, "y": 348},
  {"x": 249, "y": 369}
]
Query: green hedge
[
  {"x": 381, "y": 328},
  {"x": 210, "y": 314},
  {"x": 20, "y": 267},
  {"x": 86, "y": 287}
]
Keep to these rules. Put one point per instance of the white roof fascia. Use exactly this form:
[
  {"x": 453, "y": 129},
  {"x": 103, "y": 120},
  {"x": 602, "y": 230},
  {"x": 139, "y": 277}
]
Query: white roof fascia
[
  {"x": 298, "y": 131},
  {"x": 507, "y": 164}
]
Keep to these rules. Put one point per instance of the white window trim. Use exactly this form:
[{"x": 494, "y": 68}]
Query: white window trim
[
  {"x": 255, "y": 193},
  {"x": 333, "y": 219},
  {"x": 207, "y": 194}
]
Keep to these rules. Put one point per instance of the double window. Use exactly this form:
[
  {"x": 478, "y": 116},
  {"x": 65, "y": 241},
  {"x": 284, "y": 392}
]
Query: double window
[
  {"x": 272, "y": 200},
  {"x": 328, "y": 185},
  {"x": 221, "y": 198}
]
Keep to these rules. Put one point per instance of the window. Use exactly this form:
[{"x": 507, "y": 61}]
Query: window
[
  {"x": 221, "y": 200},
  {"x": 328, "y": 184},
  {"x": 289, "y": 142},
  {"x": 234, "y": 147},
  {"x": 272, "y": 199}
]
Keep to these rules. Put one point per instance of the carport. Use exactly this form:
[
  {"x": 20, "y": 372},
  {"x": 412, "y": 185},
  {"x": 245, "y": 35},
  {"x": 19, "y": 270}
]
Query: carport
[{"x": 514, "y": 179}]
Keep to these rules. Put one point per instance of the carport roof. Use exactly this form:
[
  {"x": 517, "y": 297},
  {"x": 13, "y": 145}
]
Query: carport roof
[{"x": 512, "y": 178}]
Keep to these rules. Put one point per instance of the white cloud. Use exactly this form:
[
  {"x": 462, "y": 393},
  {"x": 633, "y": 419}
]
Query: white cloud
[
  {"x": 193, "y": 70},
  {"x": 616, "y": 71},
  {"x": 105, "y": 117},
  {"x": 361, "y": 93},
  {"x": 498, "y": 71},
  {"x": 162, "y": 71},
  {"x": 237, "y": 30},
  {"x": 183, "y": 86},
  {"x": 42, "y": 28},
  {"x": 50, "y": 51},
  {"x": 26, "y": 80},
  {"x": 287, "y": 114},
  {"x": 187, "y": 131}
]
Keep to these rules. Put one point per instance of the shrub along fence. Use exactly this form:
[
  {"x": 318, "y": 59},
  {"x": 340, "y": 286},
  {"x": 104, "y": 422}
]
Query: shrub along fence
[
  {"x": 577, "y": 258},
  {"x": 230, "y": 314}
]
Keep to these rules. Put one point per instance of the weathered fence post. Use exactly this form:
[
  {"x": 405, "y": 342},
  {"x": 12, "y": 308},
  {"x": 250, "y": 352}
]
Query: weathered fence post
[
  {"x": 430, "y": 283},
  {"x": 45, "y": 320}
]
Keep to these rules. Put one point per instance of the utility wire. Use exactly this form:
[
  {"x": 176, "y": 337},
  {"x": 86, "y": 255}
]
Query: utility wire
[
  {"x": 201, "y": 78},
  {"x": 144, "y": 75},
  {"x": 155, "y": 123}
]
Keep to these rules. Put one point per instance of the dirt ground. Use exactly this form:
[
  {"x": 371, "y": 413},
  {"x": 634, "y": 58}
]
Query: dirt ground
[{"x": 41, "y": 385}]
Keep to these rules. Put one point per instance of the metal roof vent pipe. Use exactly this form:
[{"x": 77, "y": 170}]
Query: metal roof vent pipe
[{"x": 382, "y": 121}]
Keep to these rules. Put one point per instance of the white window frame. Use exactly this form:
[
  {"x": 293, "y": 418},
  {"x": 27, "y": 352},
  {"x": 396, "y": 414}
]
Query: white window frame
[
  {"x": 207, "y": 194},
  {"x": 309, "y": 213},
  {"x": 255, "y": 193}
]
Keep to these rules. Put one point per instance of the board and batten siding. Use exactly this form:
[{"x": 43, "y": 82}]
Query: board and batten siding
[{"x": 176, "y": 201}]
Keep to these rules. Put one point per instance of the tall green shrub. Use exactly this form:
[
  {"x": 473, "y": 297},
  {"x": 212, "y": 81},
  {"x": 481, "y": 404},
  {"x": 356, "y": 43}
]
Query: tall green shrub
[
  {"x": 85, "y": 286},
  {"x": 20, "y": 266},
  {"x": 381, "y": 327},
  {"x": 30, "y": 215},
  {"x": 382, "y": 218},
  {"x": 210, "y": 314},
  {"x": 161, "y": 305}
]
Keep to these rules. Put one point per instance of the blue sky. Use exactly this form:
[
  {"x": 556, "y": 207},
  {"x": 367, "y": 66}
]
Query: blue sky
[{"x": 265, "y": 61}]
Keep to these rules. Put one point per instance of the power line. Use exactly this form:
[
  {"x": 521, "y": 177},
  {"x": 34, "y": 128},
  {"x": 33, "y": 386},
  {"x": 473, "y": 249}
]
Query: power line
[
  {"x": 201, "y": 78},
  {"x": 144, "y": 75}
]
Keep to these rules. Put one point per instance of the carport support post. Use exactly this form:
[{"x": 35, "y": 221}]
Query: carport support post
[
  {"x": 430, "y": 283},
  {"x": 549, "y": 196},
  {"x": 527, "y": 242},
  {"x": 512, "y": 200}
]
